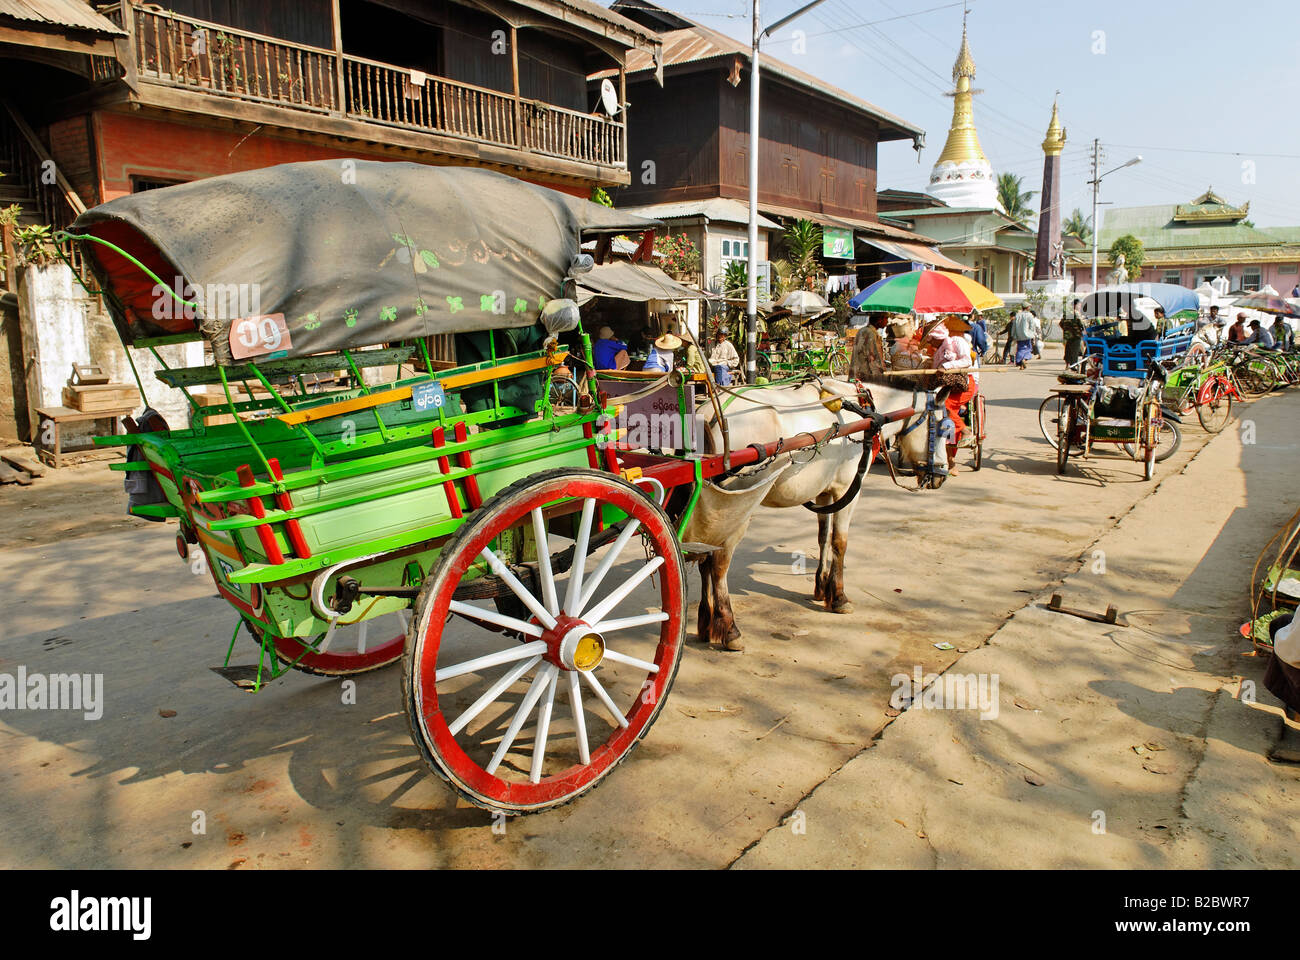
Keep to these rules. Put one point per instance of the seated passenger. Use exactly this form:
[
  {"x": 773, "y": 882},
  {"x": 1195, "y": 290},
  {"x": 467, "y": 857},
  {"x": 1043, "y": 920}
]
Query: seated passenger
[{"x": 661, "y": 354}]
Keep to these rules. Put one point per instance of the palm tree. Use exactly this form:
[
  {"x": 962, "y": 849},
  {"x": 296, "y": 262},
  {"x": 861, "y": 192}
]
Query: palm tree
[
  {"x": 1013, "y": 200},
  {"x": 1078, "y": 226},
  {"x": 803, "y": 242}
]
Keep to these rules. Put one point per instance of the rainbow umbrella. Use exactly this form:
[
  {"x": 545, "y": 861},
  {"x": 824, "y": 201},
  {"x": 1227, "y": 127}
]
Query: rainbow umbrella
[{"x": 925, "y": 291}]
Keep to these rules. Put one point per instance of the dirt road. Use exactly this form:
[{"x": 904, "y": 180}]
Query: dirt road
[{"x": 295, "y": 776}]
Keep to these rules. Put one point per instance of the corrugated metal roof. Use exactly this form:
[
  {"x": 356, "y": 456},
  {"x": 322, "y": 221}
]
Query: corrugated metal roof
[
  {"x": 698, "y": 44},
  {"x": 722, "y": 209},
  {"x": 70, "y": 14},
  {"x": 590, "y": 9},
  {"x": 865, "y": 226},
  {"x": 1156, "y": 228}
]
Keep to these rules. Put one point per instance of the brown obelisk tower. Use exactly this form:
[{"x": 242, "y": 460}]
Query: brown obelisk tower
[{"x": 1049, "y": 257}]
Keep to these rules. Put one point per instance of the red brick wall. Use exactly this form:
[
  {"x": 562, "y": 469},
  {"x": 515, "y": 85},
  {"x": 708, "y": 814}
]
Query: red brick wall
[
  {"x": 71, "y": 149},
  {"x": 165, "y": 150}
]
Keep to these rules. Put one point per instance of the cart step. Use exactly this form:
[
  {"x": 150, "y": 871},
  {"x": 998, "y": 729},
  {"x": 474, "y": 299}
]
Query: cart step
[
  {"x": 1110, "y": 616},
  {"x": 244, "y": 675}
]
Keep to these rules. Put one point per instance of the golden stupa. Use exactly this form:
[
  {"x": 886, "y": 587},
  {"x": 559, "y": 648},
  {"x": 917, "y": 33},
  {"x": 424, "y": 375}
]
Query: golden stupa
[{"x": 963, "y": 176}]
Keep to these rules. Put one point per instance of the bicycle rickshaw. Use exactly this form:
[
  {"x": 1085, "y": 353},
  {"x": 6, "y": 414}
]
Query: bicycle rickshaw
[
  {"x": 1119, "y": 401},
  {"x": 533, "y": 555}
]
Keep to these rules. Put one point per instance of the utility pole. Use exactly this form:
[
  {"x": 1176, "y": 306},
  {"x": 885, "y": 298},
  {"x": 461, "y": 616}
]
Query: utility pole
[
  {"x": 751, "y": 286},
  {"x": 751, "y": 283},
  {"x": 1096, "y": 185}
]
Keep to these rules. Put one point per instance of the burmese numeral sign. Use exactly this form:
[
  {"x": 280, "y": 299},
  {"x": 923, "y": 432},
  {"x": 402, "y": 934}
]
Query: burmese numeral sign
[
  {"x": 258, "y": 336},
  {"x": 427, "y": 396}
]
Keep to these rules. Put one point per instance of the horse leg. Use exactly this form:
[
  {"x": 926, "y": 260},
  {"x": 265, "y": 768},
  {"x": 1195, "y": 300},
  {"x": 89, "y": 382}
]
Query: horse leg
[
  {"x": 723, "y": 628},
  {"x": 823, "y": 555},
  {"x": 704, "y": 620},
  {"x": 836, "y": 599}
]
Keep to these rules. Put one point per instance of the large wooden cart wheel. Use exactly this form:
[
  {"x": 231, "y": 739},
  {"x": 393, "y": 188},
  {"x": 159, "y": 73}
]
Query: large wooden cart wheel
[
  {"x": 977, "y": 430},
  {"x": 605, "y": 632}
]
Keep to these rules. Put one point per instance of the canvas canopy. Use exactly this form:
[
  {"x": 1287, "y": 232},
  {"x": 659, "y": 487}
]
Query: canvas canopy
[
  {"x": 304, "y": 258},
  {"x": 630, "y": 281}
]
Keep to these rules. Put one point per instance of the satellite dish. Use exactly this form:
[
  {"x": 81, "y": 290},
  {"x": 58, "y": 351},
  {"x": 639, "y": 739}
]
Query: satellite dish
[{"x": 609, "y": 97}]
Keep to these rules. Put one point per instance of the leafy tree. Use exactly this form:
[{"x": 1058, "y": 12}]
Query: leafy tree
[
  {"x": 1014, "y": 200},
  {"x": 1134, "y": 254},
  {"x": 1078, "y": 226},
  {"x": 802, "y": 242}
]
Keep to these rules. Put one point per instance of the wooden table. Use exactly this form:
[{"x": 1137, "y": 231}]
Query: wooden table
[{"x": 49, "y": 420}]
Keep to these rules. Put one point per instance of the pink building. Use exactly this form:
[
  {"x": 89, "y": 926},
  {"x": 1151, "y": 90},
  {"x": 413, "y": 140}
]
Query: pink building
[{"x": 1190, "y": 243}]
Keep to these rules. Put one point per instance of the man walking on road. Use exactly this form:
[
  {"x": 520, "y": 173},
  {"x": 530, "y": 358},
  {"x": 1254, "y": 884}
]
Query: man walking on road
[{"x": 1023, "y": 329}]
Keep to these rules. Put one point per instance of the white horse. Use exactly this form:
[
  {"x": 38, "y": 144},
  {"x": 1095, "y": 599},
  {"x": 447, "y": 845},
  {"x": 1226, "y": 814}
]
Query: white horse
[{"x": 820, "y": 476}]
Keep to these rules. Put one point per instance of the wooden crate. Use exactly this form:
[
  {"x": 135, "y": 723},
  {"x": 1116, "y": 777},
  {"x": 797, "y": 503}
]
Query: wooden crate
[{"x": 92, "y": 398}]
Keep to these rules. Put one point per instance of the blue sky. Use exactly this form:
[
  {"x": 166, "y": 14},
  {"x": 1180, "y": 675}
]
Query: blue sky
[{"x": 1160, "y": 78}]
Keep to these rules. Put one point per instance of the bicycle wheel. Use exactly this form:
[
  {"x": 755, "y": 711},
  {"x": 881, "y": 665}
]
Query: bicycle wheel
[
  {"x": 1168, "y": 439},
  {"x": 763, "y": 366},
  {"x": 1064, "y": 430},
  {"x": 1257, "y": 378},
  {"x": 564, "y": 392},
  {"x": 977, "y": 430},
  {"x": 838, "y": 364},
  {"x": 1214, "y": 405},
  {"x": 1049, "y": 417}
]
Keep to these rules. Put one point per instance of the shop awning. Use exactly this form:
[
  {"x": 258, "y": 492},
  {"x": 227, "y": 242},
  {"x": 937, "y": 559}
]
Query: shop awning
[
  {"x": 633, "y": 281},
  {"x": 915, "y": 252}
]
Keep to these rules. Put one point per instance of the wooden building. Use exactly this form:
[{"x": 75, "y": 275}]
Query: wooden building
[
  {"x": 689, "y": 142},
  {"x": 98, "y": 102}
]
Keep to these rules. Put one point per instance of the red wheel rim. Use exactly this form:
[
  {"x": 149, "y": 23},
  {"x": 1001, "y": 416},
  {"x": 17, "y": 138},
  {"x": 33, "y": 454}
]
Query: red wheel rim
[
  {"x": 430, "y": 723},
  {"x": 340, "y": 661}
]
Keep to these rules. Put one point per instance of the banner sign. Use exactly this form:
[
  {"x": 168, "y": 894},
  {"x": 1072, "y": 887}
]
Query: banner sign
[{"x": 837, "y": 243}]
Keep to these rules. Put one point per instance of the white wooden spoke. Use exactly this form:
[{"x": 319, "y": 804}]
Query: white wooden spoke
[
  {"x": 574, "y": 591},
  {"x": 492, "y": 693},
  {"x": 609, "y": 626},
  {"x": 589, "y": 588},
  {"x": 406, "y": 623},
  {"x": 610, "y": 602},
  {"x": 579, "y": 718},
  {"x": 630, "y": 661},
  {"x": 362, "y": 629},
  {"x": 543, "y": 728},
  {"x": 491, "y": 660},
  {"x": 540, "y": 682},
  {"x": 604, "y": 698},
  {"x": 544, "y": 561},
  {"x": 519, "y": 590},
  {"x": 495, "y": 617},
  {"x": 329, "y": 635}
]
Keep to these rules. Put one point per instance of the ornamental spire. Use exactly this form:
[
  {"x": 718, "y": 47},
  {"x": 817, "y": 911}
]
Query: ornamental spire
[
  {"x": 1055, "y": 141},
  {"x": 962, "y": 175}
]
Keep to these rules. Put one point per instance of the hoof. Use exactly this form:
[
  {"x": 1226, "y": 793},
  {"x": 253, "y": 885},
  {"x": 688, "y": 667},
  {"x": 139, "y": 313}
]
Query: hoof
[
  {"x": 843, "y": 606},
  {"x": 734, "y": 644}
]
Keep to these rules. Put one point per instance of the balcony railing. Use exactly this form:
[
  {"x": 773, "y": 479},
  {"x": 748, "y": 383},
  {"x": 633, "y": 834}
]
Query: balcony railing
[{"x": 190, "y": 54}]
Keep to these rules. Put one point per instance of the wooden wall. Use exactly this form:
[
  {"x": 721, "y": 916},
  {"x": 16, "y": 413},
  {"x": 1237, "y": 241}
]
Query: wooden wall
[
  {"x": 814, "y": 155},
  {"x": 676, "y": 129},
  {"x": 300, "y": 21}
]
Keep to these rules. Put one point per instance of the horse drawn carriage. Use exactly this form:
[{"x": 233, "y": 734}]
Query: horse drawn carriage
[{"x": 527, "y": 551}]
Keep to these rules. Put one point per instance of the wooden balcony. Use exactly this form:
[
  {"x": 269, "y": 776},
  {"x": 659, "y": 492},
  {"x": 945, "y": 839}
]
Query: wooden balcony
[{"x": 234, "y": 66}]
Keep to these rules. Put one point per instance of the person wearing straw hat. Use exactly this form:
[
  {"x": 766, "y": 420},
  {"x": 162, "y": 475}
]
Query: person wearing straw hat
[{"x": 661, "y": 354}]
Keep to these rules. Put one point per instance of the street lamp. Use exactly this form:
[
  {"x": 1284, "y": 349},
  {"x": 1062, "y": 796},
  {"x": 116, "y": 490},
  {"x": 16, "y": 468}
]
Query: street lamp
[
  {"x": 751, "y": 286},
  {"x": 1096, "y": 186}
]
